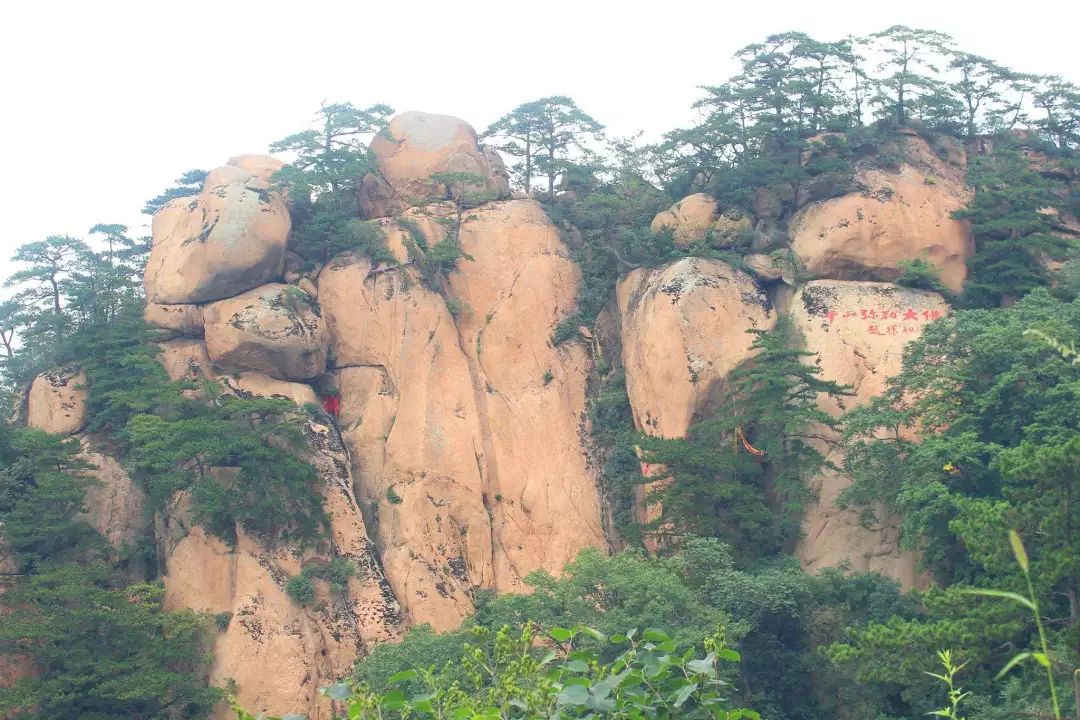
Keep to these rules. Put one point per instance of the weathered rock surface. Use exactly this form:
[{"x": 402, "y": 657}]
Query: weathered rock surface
[
  {"x": 689, "y": 219},
  {"x": 57, "y": 401},
  {"x": 182, "y": 320},
  {"x": 684, "y": 328},
  {"x": 409, "y": 417},
  {"x": 695, "y": 218},
  {"x": 115, "y": 506},
  {"x": 468, "y": 449},
  {"x": 228, "y": 239},
  {"x": 278, "y": 653},
  {"x": 186, "y": 359},
  {"x": 858, "y": 330},
  {"x": 275, "y": 329},
  {"x": 417, "y": 145},
  {"x": 520, "y": 284},
  {"x": 262, "y": 385},
  {"x": 901, "y": 215}
]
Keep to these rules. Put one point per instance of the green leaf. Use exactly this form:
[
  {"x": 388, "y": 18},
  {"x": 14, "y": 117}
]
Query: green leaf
[
  {"x": 338, "y": 691},
  {"x": 593, "y": 633},
  {"x": 729, "y": 655},
  {"x": 1002, "y": 594},
  {"x": 577, "y": 666},
  {"x": 573, "y": 695},
  {"x": 1042, "y": 659},
  {"x": 702, "y": 666},
  {"x": 561, "y": 634},
  {"x": 1018, "y": 549},
  {"x": 684, "y": 694},
  {"x": 1016, "y": 659},
  {"x": 293, "y": 716},
  {"x": 401, "y": 677},
  {"x": 655, "y": 635}
]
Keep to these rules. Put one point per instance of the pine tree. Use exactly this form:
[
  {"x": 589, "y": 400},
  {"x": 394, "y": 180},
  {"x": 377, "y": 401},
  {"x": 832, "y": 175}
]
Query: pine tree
[
  {"x": 1011, "y": 228},
  {"x": 740, "y": 474},
  {"x": 188, "y": 184},
  {"x": 323, "y": 179}
]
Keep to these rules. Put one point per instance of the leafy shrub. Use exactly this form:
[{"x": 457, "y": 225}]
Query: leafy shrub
[
  {"x": 300, "y": 589},
  {"x": 392, "y": 497},
  {"x": 505, "y": 675},
  {"x": 920, "y": 274}
]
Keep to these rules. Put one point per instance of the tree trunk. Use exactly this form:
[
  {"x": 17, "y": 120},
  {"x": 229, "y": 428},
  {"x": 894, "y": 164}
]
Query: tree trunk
[{"x": 528, "y": 166}]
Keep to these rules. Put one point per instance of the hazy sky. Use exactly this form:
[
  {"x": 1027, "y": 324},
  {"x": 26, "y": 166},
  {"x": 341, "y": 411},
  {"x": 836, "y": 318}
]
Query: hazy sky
[{"x": 104, "y": 103}]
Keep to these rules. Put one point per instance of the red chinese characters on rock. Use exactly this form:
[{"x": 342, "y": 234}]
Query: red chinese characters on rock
[{"x": 881, "y": 318}]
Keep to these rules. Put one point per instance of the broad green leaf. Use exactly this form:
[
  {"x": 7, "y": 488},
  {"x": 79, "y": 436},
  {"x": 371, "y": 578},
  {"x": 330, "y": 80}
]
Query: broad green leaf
[
  {"x": 684, "y": 694},
  {"x": 655, "y": 635},
  {"x": 561, "y": 634},
  {"x": 402, "y": 676},
  {"x": 729, "y": 655},
  {"x": 573, "y": 695},
  {"x": 703, "y": 666},
  {"x": 593, "y": 633},
  {"x": 338, "y": 691},
  {"x": 577, "y": 666}
]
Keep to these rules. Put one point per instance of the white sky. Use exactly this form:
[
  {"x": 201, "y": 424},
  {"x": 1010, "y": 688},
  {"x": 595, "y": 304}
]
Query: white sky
[{"x": 105, "y": 102}]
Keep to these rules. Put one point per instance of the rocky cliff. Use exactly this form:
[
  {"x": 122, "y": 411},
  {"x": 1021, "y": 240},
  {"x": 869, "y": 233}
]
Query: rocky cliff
[{"x": 461, "y": 457}]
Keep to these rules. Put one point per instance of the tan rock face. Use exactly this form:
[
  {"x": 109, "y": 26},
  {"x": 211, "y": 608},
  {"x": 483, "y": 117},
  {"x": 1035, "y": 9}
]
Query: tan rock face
[
  {"x": 695, "y": 218},
  {"x": 520, "y": 284},
  {"x": 684, "y": 328},
  {"x": 689, "y": 219},
  {"x": 115, "y": 506},
  {"x": 858, "y": 330},
  {"x": 409, "y": 417},
  {"x": 275, "y": 329},
  {"x": 900, "y": 215},
  {"x": 57, "y": 401},
  {"x": 466, "y": 449},
  {"x": 183, "y": 320},
  {"x": 262, "y": 385},
  {"x": 419, "y": 144},
  {"x": 228, "y": 239},
  {"x": 278, "y": 653},
  {"x": 186, "y": 359}
]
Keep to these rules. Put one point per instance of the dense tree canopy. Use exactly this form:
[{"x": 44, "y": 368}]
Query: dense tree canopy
[{"x": 978, "y": 435}]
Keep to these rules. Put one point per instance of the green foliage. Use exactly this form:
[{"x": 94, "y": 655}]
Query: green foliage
[
  {"x": 776, "y": 617},
  {"x": 722, "y": 483},
  {"x": 188, "y": 184},
  {"x": 551, "y": 137},
  {"x": 392, "y": 497},
  {"x": 239, "y": 457},
  {"x": 328, "y": 226},
  {"x": 920, "y": 274},
  {"x": 612, "y": 424},
  {"x": 956, "y": 696},
  {"x": 503, "y": 675},
  {"x": 997, "y": 416},
  {"x": 69, "y": 597},
  {"x": 324, "y": 179},
  {"x": 301, "y": 589},
  {"x": 1012, "y": 230},
  {"x": 1042, "y": 657}
]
